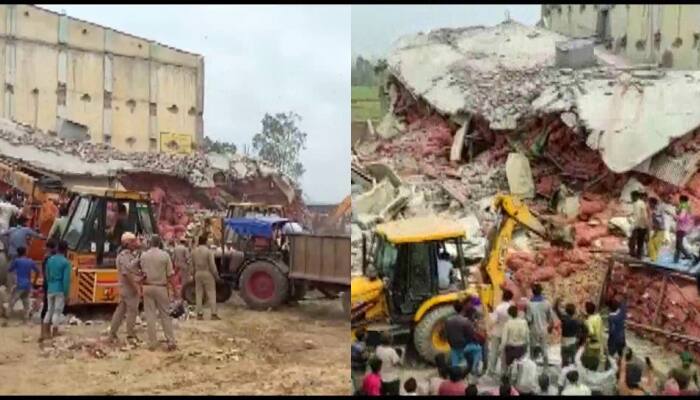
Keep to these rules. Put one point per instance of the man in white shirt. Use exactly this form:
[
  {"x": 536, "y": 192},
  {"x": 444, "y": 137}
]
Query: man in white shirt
[
  {"x": 523, "y": 374},
  {"x": 7, "y": 210},
  {"x": 444, "y": 267},
  {"x": 391, "y": 383},
  {"x": 499, "y": 317},
  {"x": 574, "y": 387}
]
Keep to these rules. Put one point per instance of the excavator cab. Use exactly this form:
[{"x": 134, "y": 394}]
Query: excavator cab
[
  {"x": 97, "y": 219},
  {"x": 403, "y": 295}
]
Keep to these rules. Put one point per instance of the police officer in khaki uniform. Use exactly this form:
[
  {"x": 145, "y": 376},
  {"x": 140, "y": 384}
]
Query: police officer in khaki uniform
[
  {"x": 205, "y": 277},
  {"x": 182, "y": 261},
  {"x": 129, "y": 277},
  {"x": 158, "y": 271}
]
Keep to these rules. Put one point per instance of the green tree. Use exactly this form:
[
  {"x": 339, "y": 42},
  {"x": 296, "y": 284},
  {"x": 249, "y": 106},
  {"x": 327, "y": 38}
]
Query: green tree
[{"x": 280, "y": 143}]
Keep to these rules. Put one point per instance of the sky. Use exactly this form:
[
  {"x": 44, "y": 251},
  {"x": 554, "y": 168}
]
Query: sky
[
  {"x": 260, "y": 59},
  {"x": 376, "y": 27}
]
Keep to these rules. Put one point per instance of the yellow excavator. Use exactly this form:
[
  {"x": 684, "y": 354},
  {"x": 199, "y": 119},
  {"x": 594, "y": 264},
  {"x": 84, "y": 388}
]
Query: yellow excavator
[{"x": 400, "y": 295}]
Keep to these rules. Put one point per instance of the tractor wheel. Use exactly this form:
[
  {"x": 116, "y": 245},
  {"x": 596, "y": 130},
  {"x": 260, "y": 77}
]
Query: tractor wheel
[
  {"x": 223, "y": 292},
  {"x": 188, "y": 294},
  {"x": 263, "y": 286},
  {"x": 429, "y": 335}
]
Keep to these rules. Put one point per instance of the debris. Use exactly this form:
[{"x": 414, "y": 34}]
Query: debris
[
  {"x": 520, "y": 176},
  {"x": 309, "y": 344},
  {"x": 458, "y": 144}
]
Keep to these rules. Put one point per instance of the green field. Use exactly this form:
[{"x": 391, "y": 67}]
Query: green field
[{"x": 365, "y": 103}]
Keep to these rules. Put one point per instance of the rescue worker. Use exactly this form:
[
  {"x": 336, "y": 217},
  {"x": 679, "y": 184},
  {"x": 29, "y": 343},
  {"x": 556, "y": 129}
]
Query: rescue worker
[
  {"x": 158, "y": 271},
  {"x": 127, "y": 263},
  {"x": 205, "y": 277}
]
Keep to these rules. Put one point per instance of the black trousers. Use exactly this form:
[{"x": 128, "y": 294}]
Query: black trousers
[
  {"x": 392, "y": 388},
  {"x": 45, "y": 306},
  {"x": 680, "y": 249},
  {"x": 637, "y": 241}
]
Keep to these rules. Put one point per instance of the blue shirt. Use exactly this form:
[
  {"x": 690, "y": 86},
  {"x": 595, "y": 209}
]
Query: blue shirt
[
  {"x": 616, "y": 325},
  {"x": 58, "y": 273},
  {"x": 23, "y": 267},
  {"x": 17, "y": 237}
]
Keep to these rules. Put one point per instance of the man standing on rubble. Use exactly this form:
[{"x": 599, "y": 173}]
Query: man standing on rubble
[
  {"x": 684, "y": 224},
  {"x": 158, "y": 272},
  {"x": 127, "y": 263},
  {"x": 658, "y": 228},
  {"x": 640, "y": 224},
  {"x": 540, "y": 320},
  {"x": 205, "y": 277}
]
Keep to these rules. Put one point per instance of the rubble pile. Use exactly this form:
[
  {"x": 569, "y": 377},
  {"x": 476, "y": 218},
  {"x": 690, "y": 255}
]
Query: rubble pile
[
  {"x": 587, "y": 137},
  {"x": 670, "y": 302},
  {"x": 196, "y": 168}
]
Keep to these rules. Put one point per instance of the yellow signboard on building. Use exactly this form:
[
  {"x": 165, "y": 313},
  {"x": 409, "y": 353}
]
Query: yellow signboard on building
[{"x": 175, "y": 143}]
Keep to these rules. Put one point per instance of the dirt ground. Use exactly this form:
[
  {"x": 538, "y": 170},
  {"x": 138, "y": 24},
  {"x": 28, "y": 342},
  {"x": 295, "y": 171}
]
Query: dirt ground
[{"x": 295, "y": 350}]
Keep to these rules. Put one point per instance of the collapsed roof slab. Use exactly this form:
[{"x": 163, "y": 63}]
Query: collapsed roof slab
[
  {"x": 490, "y": 71},
  {"x": 631, "y": 116},
  {"x": 507, "y": 72}
]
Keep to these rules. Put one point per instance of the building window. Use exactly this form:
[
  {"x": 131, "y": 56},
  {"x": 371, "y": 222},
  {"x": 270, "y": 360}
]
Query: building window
[
  {"x": 108, "y": 139},
  {"x": 153, "y": 144}
]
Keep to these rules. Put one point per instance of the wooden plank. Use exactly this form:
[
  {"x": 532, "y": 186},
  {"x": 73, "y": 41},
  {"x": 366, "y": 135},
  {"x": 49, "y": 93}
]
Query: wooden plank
[
  {"x": 657, "y": 313},
  {"x": 458, "y": 144}
]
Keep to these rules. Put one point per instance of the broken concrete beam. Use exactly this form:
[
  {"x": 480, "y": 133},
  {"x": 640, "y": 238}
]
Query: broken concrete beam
[
  {"x": 458, "y": 144},
  {"x": 519, "y": 176},
  {"x": 374, "y": 201}
]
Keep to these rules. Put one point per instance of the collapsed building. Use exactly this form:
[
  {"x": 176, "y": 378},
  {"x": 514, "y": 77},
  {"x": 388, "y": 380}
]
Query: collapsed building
[
  {"x": 564, "y": 124},
  {"x": 183, "y": 188}
]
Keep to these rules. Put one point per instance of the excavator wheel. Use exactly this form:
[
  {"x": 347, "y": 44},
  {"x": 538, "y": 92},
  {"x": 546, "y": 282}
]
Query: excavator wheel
[{"x": 429, "y": 335}]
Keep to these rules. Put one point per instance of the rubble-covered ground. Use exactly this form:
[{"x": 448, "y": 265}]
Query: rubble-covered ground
[
  {"x": 290, "y": 351},
  {"x": 451, "y": 152}
]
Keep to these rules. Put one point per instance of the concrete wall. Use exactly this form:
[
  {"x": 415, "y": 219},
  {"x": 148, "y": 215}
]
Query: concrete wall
[
  {"x": 678, "y": 26},
  {"x": 126, "y": 90}
]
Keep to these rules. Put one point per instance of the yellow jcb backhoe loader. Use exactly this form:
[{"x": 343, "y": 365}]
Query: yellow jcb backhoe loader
[{"x": 401, "y": 294}]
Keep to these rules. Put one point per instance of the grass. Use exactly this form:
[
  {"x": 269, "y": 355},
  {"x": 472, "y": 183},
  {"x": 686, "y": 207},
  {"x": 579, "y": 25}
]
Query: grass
[{"x": 365, "y": 103}]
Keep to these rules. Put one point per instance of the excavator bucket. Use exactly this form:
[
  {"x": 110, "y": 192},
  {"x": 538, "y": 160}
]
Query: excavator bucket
[{"x": 515, "y": 208}]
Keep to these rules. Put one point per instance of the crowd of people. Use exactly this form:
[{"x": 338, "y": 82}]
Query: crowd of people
[
  {"x": 150, "y": 273},
  {"x": 506, "y": 352},
  {"x": 649, "y": 228}
]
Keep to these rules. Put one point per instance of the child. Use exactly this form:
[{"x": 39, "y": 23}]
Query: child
[{"x": 372, "y": 383}]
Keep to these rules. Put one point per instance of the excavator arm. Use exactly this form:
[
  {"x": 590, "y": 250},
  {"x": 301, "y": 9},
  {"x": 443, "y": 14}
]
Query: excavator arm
[{"x": 514, "y": 212}]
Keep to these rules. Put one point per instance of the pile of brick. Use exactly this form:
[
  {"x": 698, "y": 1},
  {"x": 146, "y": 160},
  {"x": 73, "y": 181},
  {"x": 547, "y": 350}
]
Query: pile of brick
[{"x": 671, "y": 304}]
